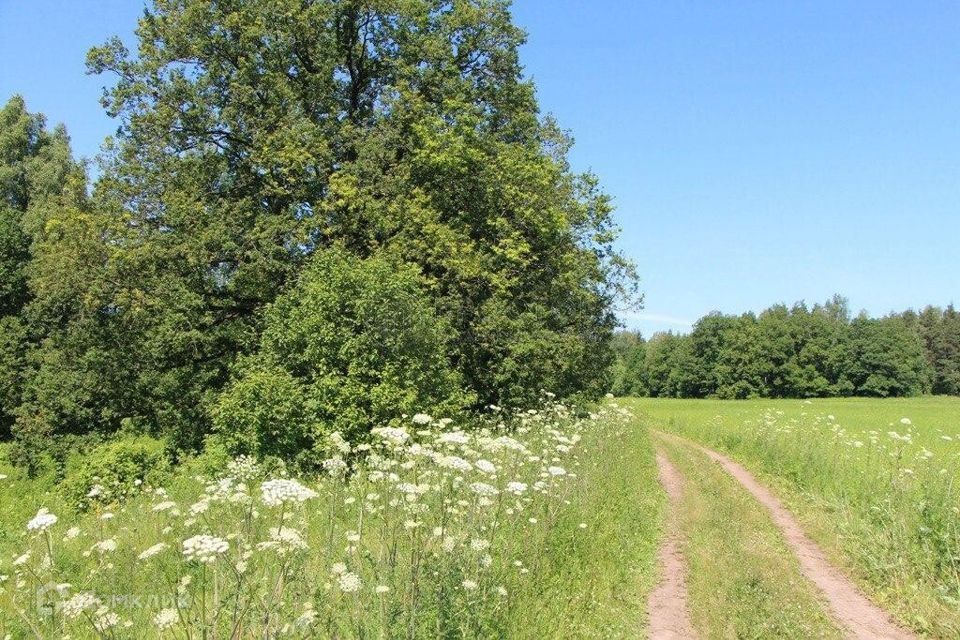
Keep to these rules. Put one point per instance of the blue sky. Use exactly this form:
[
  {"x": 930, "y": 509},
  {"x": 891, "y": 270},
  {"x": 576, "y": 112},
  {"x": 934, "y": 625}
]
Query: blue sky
[{"x": 758, "y": 152}]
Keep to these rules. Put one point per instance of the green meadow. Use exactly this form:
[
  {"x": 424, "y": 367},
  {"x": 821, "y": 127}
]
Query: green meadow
[
  {"x": 872, "y": 481},
  {"x": 546, "y": 530}
]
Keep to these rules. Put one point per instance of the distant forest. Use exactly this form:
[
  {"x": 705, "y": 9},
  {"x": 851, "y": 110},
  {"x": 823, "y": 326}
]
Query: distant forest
[{"x": 796, "y": 352}]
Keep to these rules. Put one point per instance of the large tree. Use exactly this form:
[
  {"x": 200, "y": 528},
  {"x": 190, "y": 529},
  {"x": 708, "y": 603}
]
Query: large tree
[
  {"x": 940, "y": 331},
  {"x": 254, "y": 133},
  {"x": 35, "y": 164},
  {"x": 886, "y": 358}
]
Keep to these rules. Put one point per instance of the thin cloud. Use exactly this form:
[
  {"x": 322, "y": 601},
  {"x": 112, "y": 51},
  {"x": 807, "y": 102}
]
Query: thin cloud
[{"x": 656, "y": 317}]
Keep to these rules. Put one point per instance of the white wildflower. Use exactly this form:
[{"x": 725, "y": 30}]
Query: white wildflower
[
  {"x": 349, "y": 582},
  {"x": 105, "y": 619},
  {"x": 204, "y": 548},
  {"x": 154, "y": 550},
  {"x": 485, "y": 466},
  {"x": 393, "y": 435},
  {"x": 516, "y": 487},
  {"x": 479, "y": 544},
  {"x": 166, "y": 619},
  {"x": 105, "y": 546},
  {"x": 307, "y": 618},
  {"x": 277, "y": 492},
  {"x": 284, "y": 540},
  {"x": 339, "y": 442},
  {"x": 335, "y": 467},
  {"x": 42, "y": 521},
  {"x": 453, "y": 437},
  {"x": 78, "y": 604},
  {"x": 454, "y": 462},
  {"x": 483, "y": 489},
  {"x": 243, "y": 468}
]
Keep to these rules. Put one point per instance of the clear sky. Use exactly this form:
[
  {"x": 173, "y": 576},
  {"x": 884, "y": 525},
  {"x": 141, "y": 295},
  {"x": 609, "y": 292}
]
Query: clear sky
[{"x": 758, "y": 152}]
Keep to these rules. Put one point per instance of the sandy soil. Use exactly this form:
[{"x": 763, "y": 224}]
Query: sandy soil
[{"x": 669, "y": 615}]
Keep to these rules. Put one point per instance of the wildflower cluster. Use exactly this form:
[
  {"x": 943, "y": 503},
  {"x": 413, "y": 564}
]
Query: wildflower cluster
[{"x": 428, "y": 525}]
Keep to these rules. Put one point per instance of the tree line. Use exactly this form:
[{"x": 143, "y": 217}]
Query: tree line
[
  {"x": 796, "y": 352},
  {"x": 313, "y": 217}
]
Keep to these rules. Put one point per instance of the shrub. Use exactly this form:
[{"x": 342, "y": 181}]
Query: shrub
[
  {"x": 353, "y": 345},
  {"x": 112, "y": 471},
  {"x": 263, "y": 414},
  {"x": 13, "y": 347}
]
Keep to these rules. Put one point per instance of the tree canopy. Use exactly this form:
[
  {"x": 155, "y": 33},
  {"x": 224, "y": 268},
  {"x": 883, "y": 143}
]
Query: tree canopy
[
  {"x": 796, "y": 352},
  {"x": 253, "y": 137}
]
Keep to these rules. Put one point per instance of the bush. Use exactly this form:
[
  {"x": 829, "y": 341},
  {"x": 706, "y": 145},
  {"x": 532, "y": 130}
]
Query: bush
[
  {"x": 263, "y": 414},
  {"x": 353, "y": 345},
  {"x": 116, "y": 469},
  {"x": 13, "y": 347}
]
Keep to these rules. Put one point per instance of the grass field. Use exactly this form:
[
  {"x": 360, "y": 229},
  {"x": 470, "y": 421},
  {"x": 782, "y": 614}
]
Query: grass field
[
  {"x": 549, "y": 533},
  {"x": 873, "y": 481},
  {"x": 416, "y": 543}
]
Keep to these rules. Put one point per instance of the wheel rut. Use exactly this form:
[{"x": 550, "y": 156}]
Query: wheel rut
[
  {"x": 669, "y": 612},
  {"x": 859, "y": 617}
]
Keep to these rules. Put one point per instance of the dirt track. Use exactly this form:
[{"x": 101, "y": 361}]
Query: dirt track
[
  {"x": 849, "y": 607},
  {"x": 667, "y": 605}
]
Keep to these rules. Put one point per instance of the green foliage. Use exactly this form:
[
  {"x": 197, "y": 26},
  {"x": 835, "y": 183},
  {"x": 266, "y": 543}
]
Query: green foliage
[
  {"x": 254, "y": 136},
  {"x": 940, "y": 331},
  {"x": 886, "y": 358},
  {"x": 263, "y": 414},
  {"x": 353, "y": 345},
  {"x": 629, "y": 350},
  {"x": 34, "y": 165},
  {"x": 797, "y": 352},
  {"x": 573, "y": 557},
  {"x": 116, "y": 469},
  {"x": 13, "y": 347}
]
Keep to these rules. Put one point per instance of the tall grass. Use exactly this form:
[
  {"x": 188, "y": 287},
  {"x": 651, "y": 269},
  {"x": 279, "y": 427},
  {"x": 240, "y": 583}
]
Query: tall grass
[
  {"x": 427, "y": 531},
  {"x": 873, "y": 480}
]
